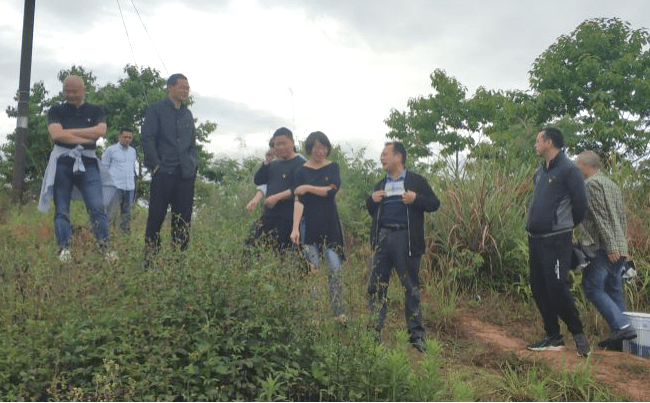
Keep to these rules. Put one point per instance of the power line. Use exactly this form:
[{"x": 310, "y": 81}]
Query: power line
[
  {"x": 144, "y": 90},
  {"x": 150, "y": 39},
  {"x": 128, "y": 38}
]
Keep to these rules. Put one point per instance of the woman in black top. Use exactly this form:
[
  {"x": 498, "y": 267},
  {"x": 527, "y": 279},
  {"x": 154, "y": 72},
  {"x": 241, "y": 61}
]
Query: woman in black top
[{"x": 317, "y": 182}]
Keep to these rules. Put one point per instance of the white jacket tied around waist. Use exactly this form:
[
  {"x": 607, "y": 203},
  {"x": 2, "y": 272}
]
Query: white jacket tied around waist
[{"x": 47, "y": 188}]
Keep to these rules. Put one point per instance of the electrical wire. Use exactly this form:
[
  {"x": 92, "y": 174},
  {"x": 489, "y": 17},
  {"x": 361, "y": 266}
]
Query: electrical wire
[
  {"x": 150, "y": 39},
  {"x": 128, "y": 38}
]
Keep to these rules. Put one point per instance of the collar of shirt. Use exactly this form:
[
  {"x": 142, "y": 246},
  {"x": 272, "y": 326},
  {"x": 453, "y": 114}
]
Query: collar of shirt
[{"x": 401, "y": 177}]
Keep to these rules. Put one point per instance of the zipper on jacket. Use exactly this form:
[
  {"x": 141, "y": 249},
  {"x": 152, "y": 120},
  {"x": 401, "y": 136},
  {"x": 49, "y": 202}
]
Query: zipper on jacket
[{"x": 408, "y": 229}]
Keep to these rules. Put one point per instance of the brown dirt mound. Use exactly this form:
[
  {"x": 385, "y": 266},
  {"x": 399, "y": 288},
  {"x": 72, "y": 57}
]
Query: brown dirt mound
[{"x": 607, "y": 366}]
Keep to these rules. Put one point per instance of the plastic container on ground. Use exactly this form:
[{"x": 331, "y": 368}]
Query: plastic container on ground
[{"x": 641, "y": 345}]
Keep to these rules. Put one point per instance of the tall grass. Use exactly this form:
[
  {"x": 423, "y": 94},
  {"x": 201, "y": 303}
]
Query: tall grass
[{"x": 480, "y": 226}]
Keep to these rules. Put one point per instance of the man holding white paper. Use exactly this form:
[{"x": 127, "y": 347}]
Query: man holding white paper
[{"x": 397, "y": 206}]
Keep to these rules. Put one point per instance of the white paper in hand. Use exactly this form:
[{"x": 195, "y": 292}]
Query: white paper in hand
[{"x": 394, "y": 188}]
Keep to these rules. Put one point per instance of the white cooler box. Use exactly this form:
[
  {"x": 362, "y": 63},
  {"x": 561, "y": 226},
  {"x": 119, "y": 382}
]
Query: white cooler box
[{"x": 641, "y": 345}]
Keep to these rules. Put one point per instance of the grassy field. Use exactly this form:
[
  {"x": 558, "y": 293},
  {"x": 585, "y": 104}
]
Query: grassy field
[{"x": 223, "y": 323}]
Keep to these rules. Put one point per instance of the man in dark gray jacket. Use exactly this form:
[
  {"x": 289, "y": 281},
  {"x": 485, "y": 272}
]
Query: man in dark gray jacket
[
  {"x": 559, "y": 203},
  {"x": 170, "y": 154}
]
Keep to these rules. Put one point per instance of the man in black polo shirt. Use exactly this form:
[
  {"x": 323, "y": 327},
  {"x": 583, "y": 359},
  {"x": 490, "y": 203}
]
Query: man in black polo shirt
[
  {"x": 73, "y": 170},
  {"x": 170, "y": 154},
  {"x": 397, "y": 206},
  {"x": 277, "y": 218}
]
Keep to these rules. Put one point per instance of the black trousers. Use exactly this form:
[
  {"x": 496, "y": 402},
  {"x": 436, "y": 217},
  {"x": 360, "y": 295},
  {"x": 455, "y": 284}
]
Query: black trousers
[
  {"x": 393, "y": 252},
  {"x": 550, "y": 261},
  {"x": 165, "y": 190}
]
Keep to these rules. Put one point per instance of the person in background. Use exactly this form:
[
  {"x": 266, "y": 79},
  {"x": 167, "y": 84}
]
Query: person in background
[
  {"x": 277, "y": 174},
  {"x": 602, "y": 235},
  {"x": 558, "y": 204},
  {"x": 316, "y": 185},
  {"x": 261, "y": 189},
  {"x": 170, "y": 154},
  {"x": 73, "y": 171},
  {"x": 397, "y": 206},
  {"x": 120, "y": 161}
]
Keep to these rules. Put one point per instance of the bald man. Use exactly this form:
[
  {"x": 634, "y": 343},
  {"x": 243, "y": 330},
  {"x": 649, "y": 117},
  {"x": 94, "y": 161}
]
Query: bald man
[
  {"x": 602, "y": 235},
  {"x": 73, "y": 170}
]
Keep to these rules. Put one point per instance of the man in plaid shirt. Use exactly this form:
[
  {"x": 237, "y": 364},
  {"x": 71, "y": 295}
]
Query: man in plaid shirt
[{"x": 603, "y": 234}]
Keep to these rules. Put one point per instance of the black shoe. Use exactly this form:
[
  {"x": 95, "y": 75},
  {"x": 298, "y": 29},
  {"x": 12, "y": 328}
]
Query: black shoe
[
  {"x": 611, "y": 345},
  {"x": 420, "y": 345},
  {"x": 582, "y": 345},
  {"x": 626, "y": 333},
  {"x": 547, "y": 342},
  {"x": 616, "y": 338}
]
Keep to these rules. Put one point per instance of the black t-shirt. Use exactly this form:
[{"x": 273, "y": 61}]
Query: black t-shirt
[
  {"x": 278, "y": 177},
  {"x": 71, "y": 117},
  {"x": 322, "y": 224}
]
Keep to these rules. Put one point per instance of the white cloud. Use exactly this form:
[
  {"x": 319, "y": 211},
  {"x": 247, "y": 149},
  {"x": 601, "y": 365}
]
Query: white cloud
[{"x": 335, "y": 65}]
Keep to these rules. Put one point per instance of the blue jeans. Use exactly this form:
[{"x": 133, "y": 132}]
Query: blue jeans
[
  {"x": 124, "y": 200},
  {"x": 602, "y": 283},
  {"x": 89, "y": 184},
  {"x": 333, "y": 260}
]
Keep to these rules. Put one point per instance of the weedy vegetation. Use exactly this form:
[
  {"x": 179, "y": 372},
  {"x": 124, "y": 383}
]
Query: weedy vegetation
[{"x": 222, "y": 322}]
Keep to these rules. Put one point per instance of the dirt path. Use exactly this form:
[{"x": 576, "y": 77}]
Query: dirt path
[{"x": 608, "y": 366}]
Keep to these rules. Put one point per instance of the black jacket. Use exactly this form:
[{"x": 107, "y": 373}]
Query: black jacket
[
  {"x": 169, "y": 138},
  {"x": 559, "y": 200},
  {"x": 425, "y": 201}
]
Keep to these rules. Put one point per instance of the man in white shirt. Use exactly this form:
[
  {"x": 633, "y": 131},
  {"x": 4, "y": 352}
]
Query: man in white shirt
[{"x": 120, "y": 161}]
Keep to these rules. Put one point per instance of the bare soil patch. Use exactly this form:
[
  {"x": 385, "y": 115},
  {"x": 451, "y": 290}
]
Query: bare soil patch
[{"x": 625, "y": 373}]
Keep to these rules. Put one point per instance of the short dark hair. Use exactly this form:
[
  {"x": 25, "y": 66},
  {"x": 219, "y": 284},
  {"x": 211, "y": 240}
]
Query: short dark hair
[
  {"x": 398, "y": 148},
  {"x": 283, "y": 131},
  {"x": 126, "y": 129},
  {"x": 555, "y": 135},
  {"x": 173, "y": 79},
  {"x": 317, "y": 137}
]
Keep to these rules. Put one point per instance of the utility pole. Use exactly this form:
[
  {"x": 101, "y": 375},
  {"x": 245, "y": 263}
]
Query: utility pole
[{"x": 23, "y": 101}]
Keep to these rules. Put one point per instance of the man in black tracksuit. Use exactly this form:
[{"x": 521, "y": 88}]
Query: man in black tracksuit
[
  {"x": 397, "y": 206},
  {"x": 559, "y": 203}
]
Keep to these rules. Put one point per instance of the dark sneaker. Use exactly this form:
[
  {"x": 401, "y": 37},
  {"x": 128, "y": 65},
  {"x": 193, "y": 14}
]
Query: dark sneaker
[
  {"x": 582, "y": 345},
  {"x": 547, "y": 343},
  {"x": 626, "y": 333},
  {"x": 616, "y": 338},
  {"x": 419, "y": 345},
  {"x": 611, "y": 345}
]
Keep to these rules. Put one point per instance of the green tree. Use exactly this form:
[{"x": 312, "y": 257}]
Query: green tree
[
  {"x": 595, "y": 83},
  {"x": 433, "y": 119},
  {"x": 511, "y": 121},
  {"x": 448, "y": 120}
]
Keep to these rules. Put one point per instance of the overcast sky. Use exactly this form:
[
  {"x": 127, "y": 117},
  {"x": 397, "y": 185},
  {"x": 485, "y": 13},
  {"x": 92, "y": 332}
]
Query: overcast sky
[{"x": 337, "y": 66}]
